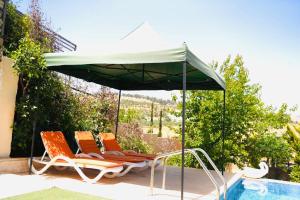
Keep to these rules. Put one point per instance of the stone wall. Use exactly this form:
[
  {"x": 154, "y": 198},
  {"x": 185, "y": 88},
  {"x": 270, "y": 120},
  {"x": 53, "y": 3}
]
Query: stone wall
[{"x": 13, "y": 165}]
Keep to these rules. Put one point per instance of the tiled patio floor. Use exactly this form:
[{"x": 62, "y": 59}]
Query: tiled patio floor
[{"x": 134, "y": 185}]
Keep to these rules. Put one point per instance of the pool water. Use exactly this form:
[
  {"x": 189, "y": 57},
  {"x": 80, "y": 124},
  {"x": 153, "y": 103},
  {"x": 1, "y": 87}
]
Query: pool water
[{"x": 263, "y": 190}]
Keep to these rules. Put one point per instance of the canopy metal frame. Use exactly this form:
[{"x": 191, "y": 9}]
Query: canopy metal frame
[
  {"x": 118, "y": 112},
  {"x": 211, "y": 83},
  {"x": 183, "y": 126}
]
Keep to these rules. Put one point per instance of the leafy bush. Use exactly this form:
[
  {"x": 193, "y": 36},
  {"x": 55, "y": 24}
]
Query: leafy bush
[
  {"x": 97, "y": 113},
  {"x": 271, "y": 147},
  {"x": 162, "y": 144},
  {"x": 43, "y": 101},
  {"x": 129, "y": 115},
  {"x": 130, "y": 138},
  {"x": 16, "y": 27},
  {"x": 295, "y": 174}
]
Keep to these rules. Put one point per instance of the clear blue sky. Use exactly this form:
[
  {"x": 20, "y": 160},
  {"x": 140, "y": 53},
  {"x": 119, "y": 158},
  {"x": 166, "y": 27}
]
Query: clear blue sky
[{"x": 266, "y": 33}]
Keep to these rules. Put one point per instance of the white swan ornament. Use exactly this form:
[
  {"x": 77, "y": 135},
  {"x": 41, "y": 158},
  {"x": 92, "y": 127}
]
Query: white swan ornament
[{"x": 256, "y": 173}]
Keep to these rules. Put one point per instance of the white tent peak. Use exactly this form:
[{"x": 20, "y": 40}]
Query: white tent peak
[
  {"x": 143, "y": 38},
  {"x": 139, "y": 28}
]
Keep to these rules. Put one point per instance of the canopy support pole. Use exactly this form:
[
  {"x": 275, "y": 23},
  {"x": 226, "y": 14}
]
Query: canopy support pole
[
  {"x": 183, "y": 127},
  {"x": 143, "y": 74},
  {"x": 223, "y": 131},
  {"x": 35, "y": 117},
  {"x": 118, "y": 111},
  {"x": 32, "y": 144}
]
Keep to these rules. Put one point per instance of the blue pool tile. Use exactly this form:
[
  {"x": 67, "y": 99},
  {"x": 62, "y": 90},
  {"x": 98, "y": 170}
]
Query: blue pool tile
[{"x": 263, "y": 190}]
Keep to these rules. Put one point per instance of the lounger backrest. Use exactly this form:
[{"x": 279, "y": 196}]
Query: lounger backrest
[
  {"x": 56, "y": 144},
  {"x": 109, "y": 141},
  {"x": 86, "y": 142}
]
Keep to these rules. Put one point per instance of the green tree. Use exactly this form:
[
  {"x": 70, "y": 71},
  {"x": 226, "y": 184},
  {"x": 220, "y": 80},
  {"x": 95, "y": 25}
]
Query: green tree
[
  {"x": 151, "y": 118},
  {"x": 130, "y": 115},
  {"x": 273, "y": 148},
  {"x": 295, "y": 174},
  {"x": 16, "y": 27},
  {"x": 293, "y": 138},
  {"x": 246, "y": 115},
  {"x": 130, "y": 138},
  {"x": 42, "y": 98},
  {"x": 29, "y": 62},
  {"x": 160, "y": 124}
]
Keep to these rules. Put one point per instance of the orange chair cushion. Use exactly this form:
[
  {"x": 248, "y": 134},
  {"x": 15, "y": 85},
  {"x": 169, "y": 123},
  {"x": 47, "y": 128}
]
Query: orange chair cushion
[
  {"x": 84, "y": 162},
  {"x": 56, "y": 144},
  {"x": 84, "y": 135},
  {"x": 141, "y": 155},
  {"x": 131, "y": 159},
  {"x": 88, "y": 146},
  {"x": 110, "y": 142},
  {"x": 97, "y": 162},
  {"x": 86, "y": 142}
]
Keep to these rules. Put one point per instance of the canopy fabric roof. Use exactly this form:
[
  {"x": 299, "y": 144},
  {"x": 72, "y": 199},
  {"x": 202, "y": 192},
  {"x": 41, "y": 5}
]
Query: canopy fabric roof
[{"x": 139, "y": 62}]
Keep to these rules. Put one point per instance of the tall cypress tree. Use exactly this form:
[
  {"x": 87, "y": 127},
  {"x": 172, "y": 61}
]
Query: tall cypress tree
[
  {"x": 151, "y": 120},
  {"x": 160, "y": 124}
]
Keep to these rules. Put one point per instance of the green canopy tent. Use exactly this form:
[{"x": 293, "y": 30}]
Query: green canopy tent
[
  {"x": 137, "y": 64},
  {"x": 154, "y": 70}
]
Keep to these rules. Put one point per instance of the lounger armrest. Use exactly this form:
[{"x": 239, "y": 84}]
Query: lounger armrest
[
  {"x": 130, "y": 151},
  {"x": 82, "y": 155},
  {"x": 118, "y": 153}
]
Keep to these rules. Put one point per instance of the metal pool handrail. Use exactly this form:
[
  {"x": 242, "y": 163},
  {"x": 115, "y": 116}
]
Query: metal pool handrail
[
  {"x": 215, "y": 168},
  {"x": 170, "y": 154}
]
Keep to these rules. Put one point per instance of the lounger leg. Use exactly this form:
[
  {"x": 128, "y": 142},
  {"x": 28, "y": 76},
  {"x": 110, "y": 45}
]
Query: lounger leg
[
  {"x": 90, "y": 180},
  {"x": 111, "y": 175},
  {"x": 130, "y": 166},
  {"x": 39, "y": 172},
  {"x": 125, "y": 171},
  {"x": 60, "y": 168},
  {"x": 142, "y": 168},
  {"x": 156, "y": 164},
  {"x": 79, "y": 171}
]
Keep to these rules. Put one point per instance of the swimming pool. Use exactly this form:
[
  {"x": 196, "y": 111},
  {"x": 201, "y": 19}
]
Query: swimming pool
[{"x": 246, "y": 189}]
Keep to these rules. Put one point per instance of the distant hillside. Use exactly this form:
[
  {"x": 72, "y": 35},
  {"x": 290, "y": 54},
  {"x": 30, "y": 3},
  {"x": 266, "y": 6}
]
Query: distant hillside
[
  {"x": 141, "y": 107},
  {"x": 152, "y": 99},
  {"x": 143, "y": 104}
]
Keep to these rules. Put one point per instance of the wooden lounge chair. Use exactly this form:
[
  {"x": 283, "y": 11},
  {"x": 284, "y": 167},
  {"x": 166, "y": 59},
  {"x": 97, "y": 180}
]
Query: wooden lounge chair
[
  {"x": 87, "y": 145},
  {"x": 60, "y": 155},
  {"x": 111, "y": 145}
]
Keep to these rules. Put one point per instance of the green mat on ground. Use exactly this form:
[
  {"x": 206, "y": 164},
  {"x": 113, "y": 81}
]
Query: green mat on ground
[{"x": 54, "y": 194}]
